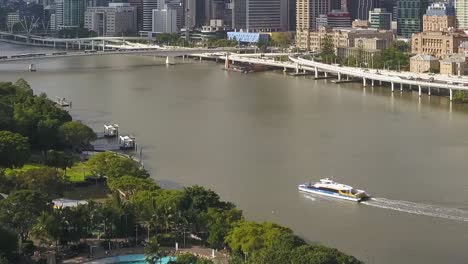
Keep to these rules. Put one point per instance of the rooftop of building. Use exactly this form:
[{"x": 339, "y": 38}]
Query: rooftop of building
[
  {"x": 424, "y": 57},
  {"x": 441, "y": 9},
  {"x": 455, "y": 58}
]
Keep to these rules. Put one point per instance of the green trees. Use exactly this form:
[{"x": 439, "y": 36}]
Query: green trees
[
  {"x": 76, "y": 134},
  {"x": 153, "y": 251},
  {"x": 14, "y": 149},
  {"x": 34, "y": 117},
  {"x": 21, "y": 209},
  {"x": 327, "y": 49},
  {"x": 131, "y": 185},
  {"x": 8, "y": 243},
  {"x": 219, "y": 223},
  {"x": 190, "y": 259},
  {"x": 317, "y": 254},
  {"x": 47, "y": 228},
  {"x": 112, "y": 165},
  {"x": 248, "y": 237},
  {"x": 45, "y": 180}
]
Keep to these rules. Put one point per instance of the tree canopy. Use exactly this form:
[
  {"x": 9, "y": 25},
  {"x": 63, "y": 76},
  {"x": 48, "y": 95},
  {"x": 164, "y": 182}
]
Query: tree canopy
[
  {"x": 131, "y": 185},
  {"x": 21, "y": 209},
  {"x": 14, "y": 149},
  {"x": 74, "y": 133},
  {"x": 327, "y": 49},
  {"x": 112, "y": 165}
]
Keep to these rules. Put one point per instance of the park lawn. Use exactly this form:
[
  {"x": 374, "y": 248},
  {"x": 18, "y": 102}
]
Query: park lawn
[
  {"x": 78, "y": 172},
  {"x": 25, "y": 168}
]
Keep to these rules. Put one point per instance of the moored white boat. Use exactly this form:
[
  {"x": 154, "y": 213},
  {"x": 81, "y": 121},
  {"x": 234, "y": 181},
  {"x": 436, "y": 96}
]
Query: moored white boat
[{"x": 327, "y": 187}]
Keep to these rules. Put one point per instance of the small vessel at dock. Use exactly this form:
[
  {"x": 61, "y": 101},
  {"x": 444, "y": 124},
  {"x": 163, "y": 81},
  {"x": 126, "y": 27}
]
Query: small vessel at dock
[
  {"x": 327, "y": 187},
  {"x": 111, "y": 130},
  {"x": 60, "y": 101}
]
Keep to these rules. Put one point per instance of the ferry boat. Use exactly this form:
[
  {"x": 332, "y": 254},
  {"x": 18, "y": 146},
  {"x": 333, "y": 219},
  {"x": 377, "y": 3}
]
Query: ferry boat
[{"x": 333, "y": 189}]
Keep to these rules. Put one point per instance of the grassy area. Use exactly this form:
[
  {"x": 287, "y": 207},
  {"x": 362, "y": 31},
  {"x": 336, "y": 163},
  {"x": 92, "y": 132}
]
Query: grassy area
[
  {"x": 25, "y": 168},
  {"x": 77, "y": 173}
]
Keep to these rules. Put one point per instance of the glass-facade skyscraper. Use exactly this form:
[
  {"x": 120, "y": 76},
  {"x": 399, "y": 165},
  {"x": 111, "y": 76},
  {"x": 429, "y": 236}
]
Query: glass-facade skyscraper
[
  {"x": 461, "y": 9},
  {"x": 410, "y": 13}
]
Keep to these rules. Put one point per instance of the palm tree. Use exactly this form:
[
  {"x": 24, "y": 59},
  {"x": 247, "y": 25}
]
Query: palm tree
[
  {"x": 153, "y": 252},
  {"x": 46, "y": 228}
]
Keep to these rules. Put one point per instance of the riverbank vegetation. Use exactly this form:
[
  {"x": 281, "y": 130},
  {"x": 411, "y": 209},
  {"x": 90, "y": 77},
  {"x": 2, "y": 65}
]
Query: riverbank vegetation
[{"x": 134, "y": 210}]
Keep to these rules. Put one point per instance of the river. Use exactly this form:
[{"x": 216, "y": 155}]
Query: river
[{"x": 253, "y": 138}]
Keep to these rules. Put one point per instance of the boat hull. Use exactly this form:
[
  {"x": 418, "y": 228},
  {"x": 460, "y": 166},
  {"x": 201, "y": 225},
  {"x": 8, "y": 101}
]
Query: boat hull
[{"x": 328, "y": 194}]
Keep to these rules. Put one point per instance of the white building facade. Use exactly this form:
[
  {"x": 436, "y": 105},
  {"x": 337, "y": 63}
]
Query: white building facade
[
  {"x": 164, "y": 21},
  {"x": 115, "y": 20}
]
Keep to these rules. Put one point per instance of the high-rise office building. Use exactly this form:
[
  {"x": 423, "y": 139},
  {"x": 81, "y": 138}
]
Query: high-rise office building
[
  {"x": 389, "y": 5},
  {"x": 239, "y": 14},
  {"x": 179, "y": 7},
  {"x": 307, "y": 12},
  {"x": 292, "y": 15},
  {"x": 113, "y": 20},
  {"x": 164, "y": 20},
  {"x": 461, "y": 9},
  {"x": 148, "y": 6},
  {"x": 359, "y": 9},
  {"x": 69, "y": 13},
  {"x": 338, "y": 18},
  {"x": 379, "y": 18},
  {"x": 410, "y": 13},
  {"x": 260, "y": 15},
  {"x": 138, "y": 4}
]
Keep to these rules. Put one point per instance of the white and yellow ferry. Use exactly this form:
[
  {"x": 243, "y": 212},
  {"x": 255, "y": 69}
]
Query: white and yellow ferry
[{"x": 333, "y": 189}]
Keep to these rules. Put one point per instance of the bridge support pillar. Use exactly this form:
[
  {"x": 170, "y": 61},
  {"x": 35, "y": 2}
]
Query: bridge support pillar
[
  {"x": 316, "y": 72},
  {"x": 54, "y": 44},
  {"x": 380, "y": 83},
  {"x": 326, "y": 74},
  {"x": 226, "y": 62},
  {"x": 429, "y": 91},
  {"x": 401, "y": 87},
  {"x": 66, "y": 45},
  {"x": 297, "y": 68},
  {"x": 339, "y": 76},
  {"x": 170, "y": 60},
  {"x": 372, "y": 83},
  {"x": 419, "y": 90},
  {"x": 103, "y": 45},
  {"x": 92, "y": 44},
  {"x": 79, "y": 45},
  {"x": 364, "y": 82},
  {"x": 393, "y": 87},
  {"x": 451, "y": 95},
  {"x": 285, "y": 69}
]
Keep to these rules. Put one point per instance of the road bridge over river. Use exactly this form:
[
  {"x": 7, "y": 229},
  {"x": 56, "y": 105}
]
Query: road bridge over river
[{"x": 368, "y": 76}]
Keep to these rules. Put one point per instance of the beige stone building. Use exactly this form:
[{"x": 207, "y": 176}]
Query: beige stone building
[
  {"x": 372, "y": 43},
  {"x": 438, "y": 23},
  {"x": 307, "y": 12},
  {"x": 367, "y": 55},
  {"x": 463, "y": 48},
  {"x": 424, "y": 63},
  {"x": 346, "y": 37},
  {"x": 437, "y": 43},
  {"x": 360, "y": 23},
  {"x": 454, "y": 65}
]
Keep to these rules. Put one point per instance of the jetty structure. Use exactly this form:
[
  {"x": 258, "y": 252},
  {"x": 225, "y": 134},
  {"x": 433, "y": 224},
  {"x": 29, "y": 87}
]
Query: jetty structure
[
  {"x": 127, "y": 142},
  {"x": 111, "y": 130}
]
